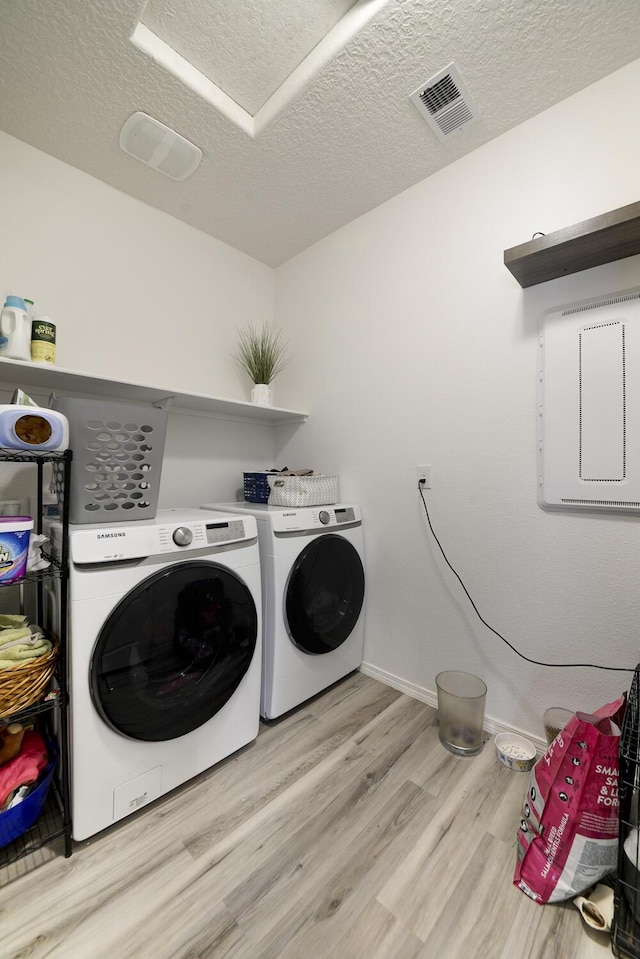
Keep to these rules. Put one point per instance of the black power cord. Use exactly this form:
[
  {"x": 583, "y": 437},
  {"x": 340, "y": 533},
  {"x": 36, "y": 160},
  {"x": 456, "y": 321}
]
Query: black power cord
[{"x": 536, "y": 662}]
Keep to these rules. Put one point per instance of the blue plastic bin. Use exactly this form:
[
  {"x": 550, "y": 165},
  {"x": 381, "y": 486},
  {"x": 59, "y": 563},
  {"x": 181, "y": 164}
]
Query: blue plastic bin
[{"x": 13, "y": 822}]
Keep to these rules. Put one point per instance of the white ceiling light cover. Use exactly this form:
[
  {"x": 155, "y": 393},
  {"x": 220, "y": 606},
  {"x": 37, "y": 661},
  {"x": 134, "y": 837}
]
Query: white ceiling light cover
[{"x": 159, "y": 146}]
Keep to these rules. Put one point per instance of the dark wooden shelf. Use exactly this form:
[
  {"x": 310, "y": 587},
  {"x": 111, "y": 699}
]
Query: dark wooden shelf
[{"x": 602, "y": 239}]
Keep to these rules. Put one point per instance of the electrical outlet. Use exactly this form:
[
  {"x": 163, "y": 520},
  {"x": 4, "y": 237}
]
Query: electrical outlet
[{"x": 424, "y": 476}]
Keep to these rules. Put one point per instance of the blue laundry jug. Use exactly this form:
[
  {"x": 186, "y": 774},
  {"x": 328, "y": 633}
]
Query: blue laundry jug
[{"x": 15, "y": 329}]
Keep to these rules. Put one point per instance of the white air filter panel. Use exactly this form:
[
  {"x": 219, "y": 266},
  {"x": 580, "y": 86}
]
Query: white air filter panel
[{"x": 589, "y": 405}]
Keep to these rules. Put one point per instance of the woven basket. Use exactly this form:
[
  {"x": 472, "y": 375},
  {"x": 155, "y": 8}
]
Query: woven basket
[
  {"x": 314, "y": 490},
  {"x": 26, "y": 682}
]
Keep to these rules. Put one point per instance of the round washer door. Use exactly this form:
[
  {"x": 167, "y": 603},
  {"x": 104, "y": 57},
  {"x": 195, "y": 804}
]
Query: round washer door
[
  {"x": 324, "y": 594},
  {"x": 173, "y": 651}
]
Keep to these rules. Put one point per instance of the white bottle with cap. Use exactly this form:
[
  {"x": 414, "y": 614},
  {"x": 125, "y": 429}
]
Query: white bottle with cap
[{"x": 15, "y": 329}]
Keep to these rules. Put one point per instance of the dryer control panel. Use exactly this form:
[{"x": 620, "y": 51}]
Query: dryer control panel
[{"x": 313, "y": 517}]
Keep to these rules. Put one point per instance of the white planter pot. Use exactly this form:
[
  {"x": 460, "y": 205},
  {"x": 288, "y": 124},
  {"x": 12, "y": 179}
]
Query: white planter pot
[{"x": 261, "y": 394}]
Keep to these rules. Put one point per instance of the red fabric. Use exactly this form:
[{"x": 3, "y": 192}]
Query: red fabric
[{"x": 26, "y": 767}]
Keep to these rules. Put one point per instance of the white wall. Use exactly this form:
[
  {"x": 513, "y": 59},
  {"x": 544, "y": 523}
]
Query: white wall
[
  {"x": 420, "y": 347},
  {"x": 137, "y": 295}
]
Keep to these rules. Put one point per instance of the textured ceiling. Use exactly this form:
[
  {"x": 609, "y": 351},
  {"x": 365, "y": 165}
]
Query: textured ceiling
[
  {"x": 345, "y": 138},
  {"x": 247, "y": 49}
]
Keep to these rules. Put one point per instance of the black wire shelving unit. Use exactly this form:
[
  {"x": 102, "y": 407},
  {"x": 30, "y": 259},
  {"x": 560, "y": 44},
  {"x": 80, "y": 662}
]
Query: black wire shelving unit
[
  {"x": 625, "y": 932},
  {"x": 54, "y": 822}
]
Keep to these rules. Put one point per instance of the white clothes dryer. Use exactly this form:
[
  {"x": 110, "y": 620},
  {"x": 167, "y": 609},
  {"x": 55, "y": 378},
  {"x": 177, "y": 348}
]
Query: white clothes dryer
[
  {"x": 164, "y": 656},
  {"x": 313, "y": 588}
]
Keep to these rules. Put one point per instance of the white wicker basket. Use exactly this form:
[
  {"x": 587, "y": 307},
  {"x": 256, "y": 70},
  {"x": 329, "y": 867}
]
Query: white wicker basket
[{"x": 314, "y": 490}]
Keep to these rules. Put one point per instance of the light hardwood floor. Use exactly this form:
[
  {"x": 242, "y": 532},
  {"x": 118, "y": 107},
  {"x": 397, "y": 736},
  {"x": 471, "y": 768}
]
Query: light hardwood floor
[{"x": 346, "y": 830}]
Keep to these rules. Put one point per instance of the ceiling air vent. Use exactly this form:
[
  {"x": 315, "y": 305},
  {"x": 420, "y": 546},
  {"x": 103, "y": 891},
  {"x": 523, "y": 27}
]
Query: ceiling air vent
[{"x": 444, "y": 102}]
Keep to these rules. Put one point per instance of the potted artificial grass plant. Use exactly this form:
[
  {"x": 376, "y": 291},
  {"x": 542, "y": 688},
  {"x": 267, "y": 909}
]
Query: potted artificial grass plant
[{"x": 262, "y": 354}]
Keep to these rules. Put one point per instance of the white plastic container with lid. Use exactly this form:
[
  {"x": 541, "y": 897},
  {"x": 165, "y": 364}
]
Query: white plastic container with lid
[
  {"x": 15, "y": 329},
  {"x": 24, "y": 427}
]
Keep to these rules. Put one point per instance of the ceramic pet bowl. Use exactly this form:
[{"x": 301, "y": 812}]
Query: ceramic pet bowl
[{"x": 515, "y": 752}]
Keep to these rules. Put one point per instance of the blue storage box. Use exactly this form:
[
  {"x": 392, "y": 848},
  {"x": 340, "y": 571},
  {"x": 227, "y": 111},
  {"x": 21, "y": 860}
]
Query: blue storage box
[
  {"x": 256, "y": 487},
  {"x": 14, "y": 822}
]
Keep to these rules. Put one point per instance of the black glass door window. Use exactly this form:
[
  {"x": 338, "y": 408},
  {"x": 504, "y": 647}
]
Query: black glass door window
[
  {"x": 324, "y": 594},
  {"x": 173, "y": 651}
]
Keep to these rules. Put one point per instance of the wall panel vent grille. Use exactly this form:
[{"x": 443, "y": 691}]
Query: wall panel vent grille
[{"x": 619, "y": 503}]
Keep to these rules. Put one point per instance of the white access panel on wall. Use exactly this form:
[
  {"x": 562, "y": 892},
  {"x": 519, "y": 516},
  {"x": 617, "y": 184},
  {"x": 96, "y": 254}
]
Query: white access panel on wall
[{"x": 589, "y": 405}]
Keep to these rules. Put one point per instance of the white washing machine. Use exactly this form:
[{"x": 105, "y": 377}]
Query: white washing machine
[
  {"x": 313, "y": 587},
  {"x": 164, "y": 656}
]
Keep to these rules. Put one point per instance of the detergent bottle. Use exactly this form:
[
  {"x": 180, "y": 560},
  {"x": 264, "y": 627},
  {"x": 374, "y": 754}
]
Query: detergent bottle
[{"x": 15, "y": 329}]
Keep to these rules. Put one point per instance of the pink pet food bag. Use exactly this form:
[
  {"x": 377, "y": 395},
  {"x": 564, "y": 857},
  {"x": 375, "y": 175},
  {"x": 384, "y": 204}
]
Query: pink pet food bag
[{"x": 568, "y": 835}]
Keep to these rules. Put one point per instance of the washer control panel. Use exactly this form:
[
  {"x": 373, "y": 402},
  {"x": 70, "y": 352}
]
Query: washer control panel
[
  {"x": 196, "y": 535},
  {"x": 184, "y": 533}
]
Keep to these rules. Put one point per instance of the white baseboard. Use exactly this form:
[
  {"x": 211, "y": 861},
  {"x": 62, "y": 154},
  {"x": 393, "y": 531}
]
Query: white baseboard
[{"x": 492, "y": 726}]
